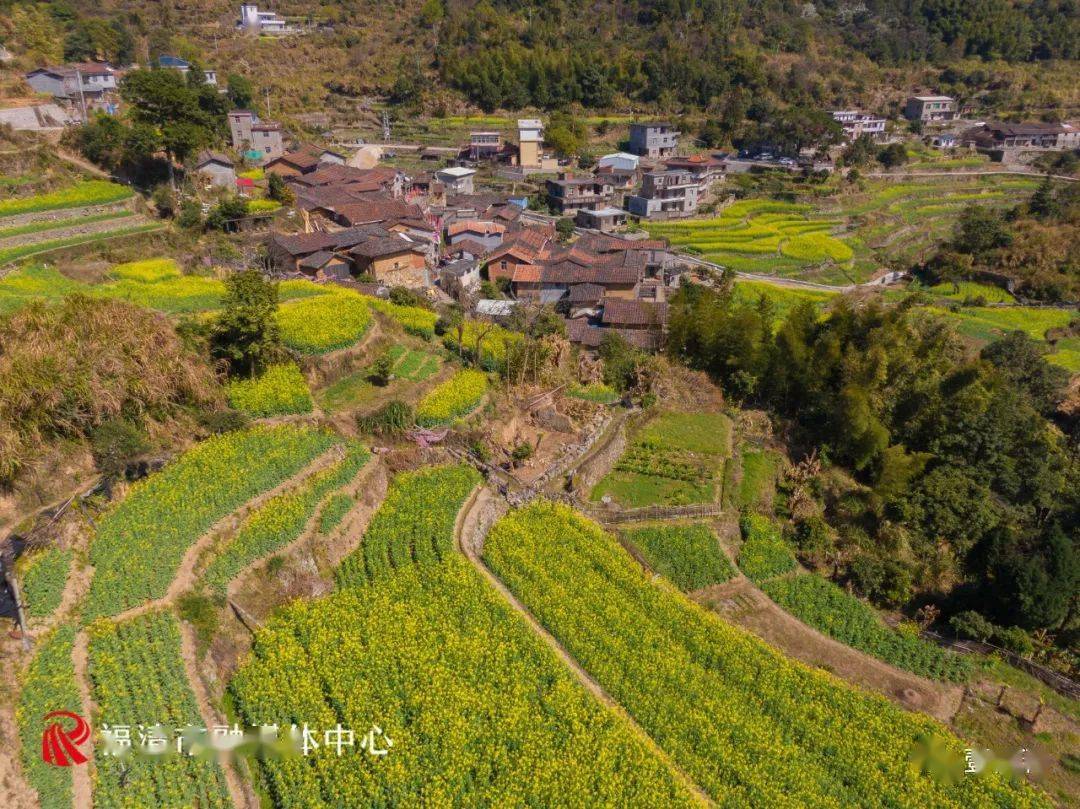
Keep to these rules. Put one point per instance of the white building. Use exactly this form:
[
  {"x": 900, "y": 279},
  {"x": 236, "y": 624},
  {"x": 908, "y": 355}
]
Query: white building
[
  {"x": 623, "y": 161},
  {"x": 261, "y": 22},
  {"x": 857, "y": 123}
]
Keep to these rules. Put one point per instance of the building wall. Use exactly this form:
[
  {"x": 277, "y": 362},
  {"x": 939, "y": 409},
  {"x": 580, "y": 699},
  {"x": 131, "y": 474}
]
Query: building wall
[
  {"x": 218, "y": 175},
  {"x": 408, "y": 269},
  {"x": 529, "y": 153},
  {"x": 240, "y": 129}
]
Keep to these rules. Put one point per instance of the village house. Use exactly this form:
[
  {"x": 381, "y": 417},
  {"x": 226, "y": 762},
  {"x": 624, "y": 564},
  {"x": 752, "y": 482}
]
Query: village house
[
  {"x": 217, "y": 169},
  {"x": 530, "y": 142},
  {"x": 92, "y": 83},
  {"x": 704, "y": 169},
  {"x": 998, "y": 137},
  {"x": 641, "y": 323},
  {"x": 519, "y": 250},
  {"x": 485, "y": 235},
  {"x": 264, "y": 23},
  {"x": 568, "y": 194},
  {"x": 460, "y": 278},
  {"x": 856, "y": 124},
  {"x": 184, "y": 67},
  {"x": 259, "y": 140},
  {"x": 930, "y": 108},
  {"x": 602, "y": 219},
  {"x": 456, "y": 179},
  {"x": 656, "y": 140},
  {"x": 665, "y": 195},
  {"x": 390, "y": 258},
  {"x": 484, "y": 145},
  {"x": 623, "y": 161}
]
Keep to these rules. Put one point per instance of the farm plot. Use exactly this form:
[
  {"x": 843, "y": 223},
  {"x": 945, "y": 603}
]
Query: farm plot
[
  {"x": 687, "y": 553},
  {"x": 42, "y": 575},
  {"x": 414, "y": 320},
  {"x": 824, "y": 606},
  {"x": 324, "y": 323},
  {"x": 486, "y": 344},
  {"x": 674, "y": 460},
  {"x": 764, "y": 236},
  {"x": 750, "y": 726},
  {"x": 456, "y": 397},
  {"x": 414, "y": 524},
  {"x": 48, "y": 685},
  {"x": 139, "y": 545},
  {"x": 125, "y": 228},
  {"x": 279, "y": 390},
  {"x": 763, "y": 554},
  {"x": 480, "y": 712},
  {"x": 138, "y": 678},
  {"x": 77, "y": 195},
  {"x": 280, "y": 520}
]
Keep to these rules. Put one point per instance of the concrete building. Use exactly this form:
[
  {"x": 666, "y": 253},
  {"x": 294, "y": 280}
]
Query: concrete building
[
  {"x": 665, "y": 195},
  {"x": 655, "y": 140},
  {"x": 602, "y": 219},
  {"x": 90, "y": 79},
  {"x": 456, "y": 179},
  {"x": 857, "y": 123},
  {"x": 930, "y": 108},
  {"x": 570, "y": 194},
  {"x": 217, "y": 169},
  {"x": 484, "y": 145},
  {"x": 530, "y": 142}
]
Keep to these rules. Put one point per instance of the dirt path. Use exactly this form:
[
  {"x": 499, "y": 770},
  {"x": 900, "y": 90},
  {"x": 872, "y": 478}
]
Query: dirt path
[
  {"x": 739, "y": 602},
  {"x": 474, "y": 521},
  {"x": 241, "y": 793},
  {"x": 82, "y": 790},
  {"x": 185, "y": 576}
]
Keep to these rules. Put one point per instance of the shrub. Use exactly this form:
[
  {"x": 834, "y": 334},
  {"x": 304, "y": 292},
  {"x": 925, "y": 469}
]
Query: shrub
[
  {"x": 971, "y": 624},
  {"x": 115, "y": 443},
  {"x": 382, "y": 370},
  {"x": 280, "y": 390},
  {"x": 1015, "y": 640},
  {"x": 392, "y": 418},
  {"x": 223, "y": 421}
]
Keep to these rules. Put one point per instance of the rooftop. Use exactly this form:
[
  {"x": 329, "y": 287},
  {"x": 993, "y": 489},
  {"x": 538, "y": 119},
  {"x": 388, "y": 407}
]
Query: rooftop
[{"x": 456, "y": 172}]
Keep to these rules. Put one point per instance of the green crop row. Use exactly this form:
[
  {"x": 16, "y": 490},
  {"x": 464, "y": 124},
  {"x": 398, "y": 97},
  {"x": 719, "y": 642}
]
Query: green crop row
[
  {"x": 747, "y": 724},
  {"x": 140, "y": 543},
  {"x": 280, "y": 520},
  {"x": 42, "y": 575},
  {"x": 414, "y": 524},
  {"x": 842, "y": 616},
  {"x": 687, "y": 553},
  {"x": 81, "y": 194},
  {"x": 763, "y": 554}
]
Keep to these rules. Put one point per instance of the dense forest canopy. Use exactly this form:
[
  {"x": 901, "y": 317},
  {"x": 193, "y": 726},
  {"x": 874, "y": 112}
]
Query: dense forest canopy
[{"x": 724, "y": 55}]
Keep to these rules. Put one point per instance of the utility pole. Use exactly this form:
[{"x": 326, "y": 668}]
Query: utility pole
[
  {"x": 385, "y": 126},
  {"x": 268, "y": 103},
  {"x": 82, "y": 98}
]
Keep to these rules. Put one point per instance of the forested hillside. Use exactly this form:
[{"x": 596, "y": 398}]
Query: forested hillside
[{"x": 732, "y": 58}]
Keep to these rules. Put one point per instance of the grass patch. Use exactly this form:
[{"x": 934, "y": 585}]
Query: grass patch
[
  {"x": 596, "y": 392},
  {"x": 758, "y": 477}
]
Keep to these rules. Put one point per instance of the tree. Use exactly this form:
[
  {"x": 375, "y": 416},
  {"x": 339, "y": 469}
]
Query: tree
[
  {"x": 893, "y": 155},
  {"x": 382, "y": 370},
  {"x": 1037, "y": 580},
  {"x": 1020, "y": 359},
  {"x": 1044, "y": 204},
  {"x": 245, "y": 334},
  {"x": 226, "y": 214},
  {"x": 239, "y": 91},
  {"x": 278, "y": 189},
  {"x": 565, "y": 228},
  {"x": 185, "y": 117},
  {"x": 979, "y": 231}
]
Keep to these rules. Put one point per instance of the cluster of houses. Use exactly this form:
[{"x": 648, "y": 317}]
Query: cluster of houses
[{"x": 380, "y": 228}]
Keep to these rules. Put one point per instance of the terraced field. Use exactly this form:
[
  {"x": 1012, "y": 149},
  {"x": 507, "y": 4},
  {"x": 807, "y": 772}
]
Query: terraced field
[{"x": 845, "y": 238}]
